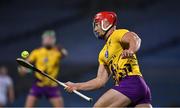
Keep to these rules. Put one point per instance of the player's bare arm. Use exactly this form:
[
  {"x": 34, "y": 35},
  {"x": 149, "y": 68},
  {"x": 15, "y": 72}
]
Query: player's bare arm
[
  {"x": 11, "y": 93},
  {"x": 131, "y": 44},
  {"x": 64, "y": 52},
  {"x": 22, "y": 70},
  {"x": 98, "y": 82}
]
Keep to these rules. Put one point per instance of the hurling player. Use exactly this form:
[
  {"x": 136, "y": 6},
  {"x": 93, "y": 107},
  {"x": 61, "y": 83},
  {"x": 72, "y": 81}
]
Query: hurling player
[
  {"x": 117, "y": 58},
  {"x": 47, "y": 59}
]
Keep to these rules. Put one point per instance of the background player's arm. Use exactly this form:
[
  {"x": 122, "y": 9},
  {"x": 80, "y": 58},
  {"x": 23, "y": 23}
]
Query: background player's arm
[
  {"x": 133, "y": 42},
  {"x": 98, "y": 82},
  {"x": 63, "y": 51},
  {"x": 11, "y": 93},
  {"x": 23, "y": 70}
]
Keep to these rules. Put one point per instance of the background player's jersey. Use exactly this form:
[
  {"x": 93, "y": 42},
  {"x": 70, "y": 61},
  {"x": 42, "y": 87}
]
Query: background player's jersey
[
  {"x": 5, "y": 82},
  {"x": 110, "y": 56},
  {"x": 47, "y": 60}
]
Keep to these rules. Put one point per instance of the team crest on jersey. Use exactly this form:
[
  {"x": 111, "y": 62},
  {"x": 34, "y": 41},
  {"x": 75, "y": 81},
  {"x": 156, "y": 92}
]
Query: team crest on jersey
[
  {"x": 106, "y": 54},
  {"x": 45, "y": 60}
]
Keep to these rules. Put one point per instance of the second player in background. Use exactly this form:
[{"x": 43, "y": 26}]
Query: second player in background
[{"x": 46, "y": 58}]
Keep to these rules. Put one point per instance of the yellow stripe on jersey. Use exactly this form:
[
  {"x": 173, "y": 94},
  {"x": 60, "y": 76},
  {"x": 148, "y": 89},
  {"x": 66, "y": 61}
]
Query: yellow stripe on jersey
[
  {"x": 47, "y": 61},
  {"x": 110, "y": 56}
]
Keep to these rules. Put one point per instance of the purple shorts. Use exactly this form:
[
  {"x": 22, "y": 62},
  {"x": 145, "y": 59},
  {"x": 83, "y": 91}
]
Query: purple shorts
[
  {"x": 135, "y": 88},
  {"x": 47, "y": 91}
]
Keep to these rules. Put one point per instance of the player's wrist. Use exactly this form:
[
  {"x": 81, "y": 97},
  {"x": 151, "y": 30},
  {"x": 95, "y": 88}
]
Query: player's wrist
[{"x": 78, "y": 86}]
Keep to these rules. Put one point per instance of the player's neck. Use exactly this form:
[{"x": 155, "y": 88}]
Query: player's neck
[
  {"x": 109, "y": 33},
  {"x": 48, "y": 47}
]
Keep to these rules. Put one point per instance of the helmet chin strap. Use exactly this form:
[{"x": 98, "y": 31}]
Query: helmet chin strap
[
  {"x": 106, "y": 30},
  {"x": 103, "y": 37}
]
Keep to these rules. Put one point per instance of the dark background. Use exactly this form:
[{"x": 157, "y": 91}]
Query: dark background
[{"x": 157, "y": 23}]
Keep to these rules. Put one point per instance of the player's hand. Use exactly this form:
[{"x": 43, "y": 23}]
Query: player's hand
[
  {"x": 71, "y": 86},
  {"x": 127, "y": 54},
  {"x": 22, "y": 70}
]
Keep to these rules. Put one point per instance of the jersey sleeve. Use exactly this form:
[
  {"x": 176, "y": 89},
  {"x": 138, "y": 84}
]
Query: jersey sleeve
[
  {"x": 100, "y": 59},
  {"x": 120, "y": 33},
  {"x": 32, "y": 56}
]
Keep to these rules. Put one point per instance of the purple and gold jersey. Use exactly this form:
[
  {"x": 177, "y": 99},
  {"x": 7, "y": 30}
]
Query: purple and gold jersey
[
  {"x": 47, "y": 60},
  {"x": 110, "y": 56}
]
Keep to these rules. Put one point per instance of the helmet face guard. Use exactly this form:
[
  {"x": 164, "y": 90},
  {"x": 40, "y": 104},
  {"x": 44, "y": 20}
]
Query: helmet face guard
[{"x": 101, "y": 18}]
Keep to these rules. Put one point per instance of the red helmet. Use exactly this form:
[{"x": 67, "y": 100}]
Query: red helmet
[
  {"x": 101, "y": 17},
  {"x": 109, "y": 16}
]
